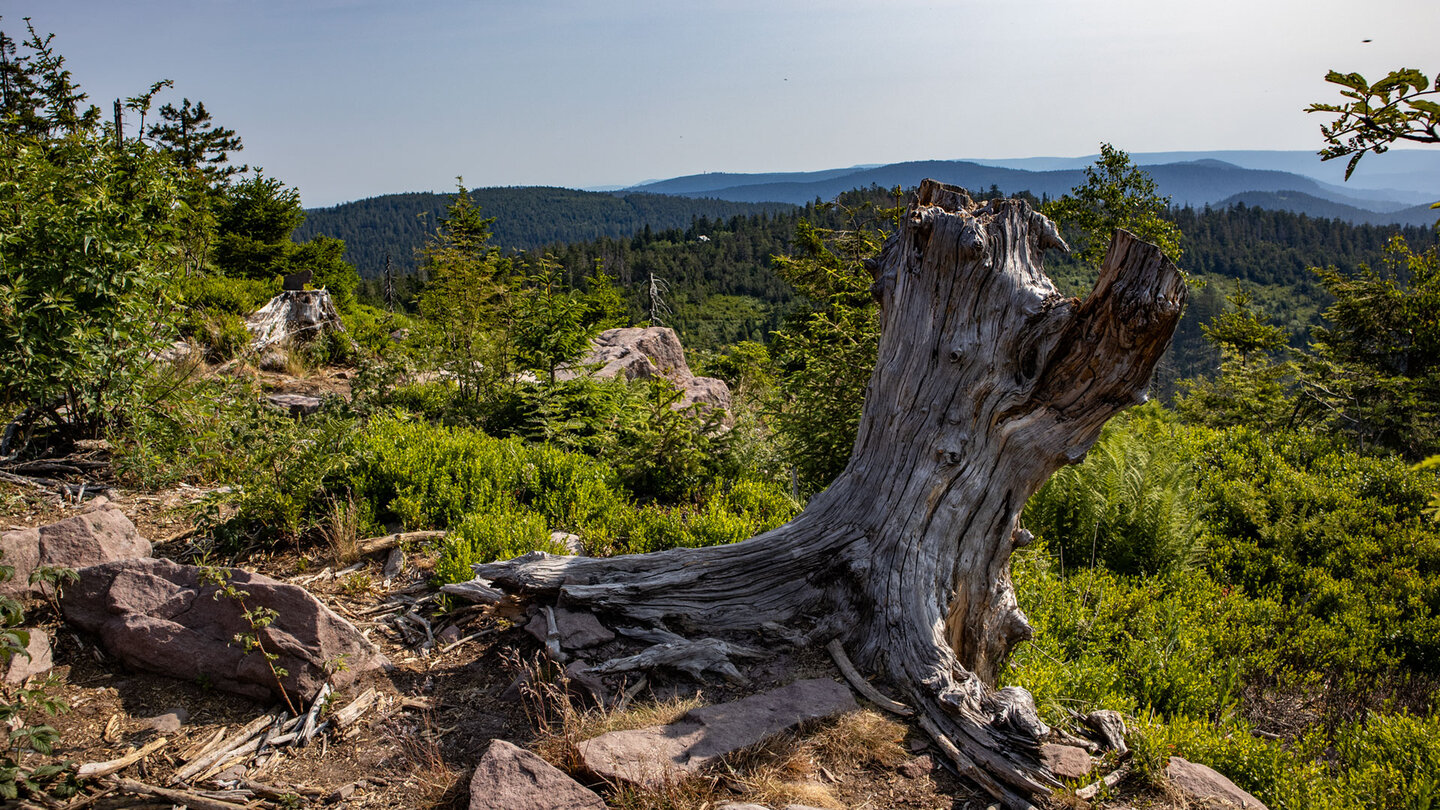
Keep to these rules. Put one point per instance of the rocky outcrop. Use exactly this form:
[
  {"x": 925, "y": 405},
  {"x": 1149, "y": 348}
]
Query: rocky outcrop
[
  {"x": 99, "y": 534},
  {"x": 158, "y": 616},
  {"x": 1206, "y": 787},
  {"x": 657, "y": 755},
  {"x": 642, "y": 353},
  {"x": 293, "y": 316},
  {"x": 511, "y": 778}
]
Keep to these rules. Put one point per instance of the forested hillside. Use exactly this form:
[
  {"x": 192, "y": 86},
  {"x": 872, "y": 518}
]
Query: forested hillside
[
  {"x": 724, "y": 288},
  {"x": 397, "y": 225}
]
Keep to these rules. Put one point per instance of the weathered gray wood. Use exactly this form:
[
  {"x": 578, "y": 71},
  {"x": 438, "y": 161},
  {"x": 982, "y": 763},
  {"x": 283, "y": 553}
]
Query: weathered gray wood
[{"x": 987, "y": 380}]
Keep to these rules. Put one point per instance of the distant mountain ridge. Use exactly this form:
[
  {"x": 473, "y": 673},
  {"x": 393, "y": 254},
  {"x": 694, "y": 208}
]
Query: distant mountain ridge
[{"x": 1198, "y": 182}]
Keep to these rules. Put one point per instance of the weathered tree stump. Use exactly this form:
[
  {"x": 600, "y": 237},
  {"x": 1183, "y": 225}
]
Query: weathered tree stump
[{"x": 988, "y": 380}]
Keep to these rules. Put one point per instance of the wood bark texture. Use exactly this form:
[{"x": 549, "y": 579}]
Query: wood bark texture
[{"x": 987, "y": 381}]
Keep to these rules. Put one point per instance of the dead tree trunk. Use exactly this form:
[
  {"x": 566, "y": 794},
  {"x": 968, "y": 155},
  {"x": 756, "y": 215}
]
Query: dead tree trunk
[{"x": 987, "y": 381}]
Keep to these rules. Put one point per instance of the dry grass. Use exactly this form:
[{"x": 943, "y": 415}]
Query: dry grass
[
  {"x": 341, "y": 530},
  {"x": 439, "y": 785}
]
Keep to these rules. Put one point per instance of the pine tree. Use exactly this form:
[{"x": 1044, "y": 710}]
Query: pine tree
[{"x": 197, "y": 144}]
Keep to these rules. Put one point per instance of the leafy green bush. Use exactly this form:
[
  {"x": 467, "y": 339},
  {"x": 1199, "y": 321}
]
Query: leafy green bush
[
  {"x": 489, "y": 536},
  {"x": 235, "y": 296}
]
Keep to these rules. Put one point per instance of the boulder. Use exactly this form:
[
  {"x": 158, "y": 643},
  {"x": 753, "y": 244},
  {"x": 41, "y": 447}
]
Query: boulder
[
  {"x": 638, "y": 353},
  {"x": 570, "y": 542},
  {"x": 1207, "y": 787},
  {"x": 1066, "y": 761},
  {"x": 37, "y": 662},
  {"x": 99, "y": 534},
  {"x": 655, "y": 756},
  {"x": 158, "y": 616},
  {"x": 293, "y": 316},
  {"x": 511, "y": 778},
  {"x": 707, "y": 392}
]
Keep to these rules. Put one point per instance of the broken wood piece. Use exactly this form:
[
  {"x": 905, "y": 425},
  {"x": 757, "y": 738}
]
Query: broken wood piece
[
  {"x": 276, "y": 793},
  {"x": 476, "y": 590},
  {"x": 95, "y": 770},
  {"x": 692, "y": 657},
  {"x": 312, "y": 717},
  {"x": 370, "y": 545},
  {"x": 222, "y": 749},
  {"x": 486, "y": 632},
  {"x": 194, "y": 801},
  {"x": 630, "y": 693},
  {"x": 837, "y": 652},
  {"x": 234, "y": 756},
  {"x": 552, "y": 636},
  {"x": 1111, "y": 780},
  {"x": 355, "y": 708},
  {"x": 204, "y": 748}
]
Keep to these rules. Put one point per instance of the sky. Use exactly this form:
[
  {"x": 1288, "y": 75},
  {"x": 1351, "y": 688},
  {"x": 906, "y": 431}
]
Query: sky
[{"x": 346, "y": 99}]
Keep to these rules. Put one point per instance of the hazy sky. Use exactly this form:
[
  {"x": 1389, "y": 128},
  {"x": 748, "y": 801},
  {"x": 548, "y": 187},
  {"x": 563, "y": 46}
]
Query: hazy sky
[{"x": 352, "y": 98}]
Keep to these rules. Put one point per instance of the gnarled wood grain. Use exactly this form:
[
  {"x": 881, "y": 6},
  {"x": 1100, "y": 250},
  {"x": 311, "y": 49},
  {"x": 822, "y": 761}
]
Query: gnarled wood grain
[{"x": 987, "y": 381}]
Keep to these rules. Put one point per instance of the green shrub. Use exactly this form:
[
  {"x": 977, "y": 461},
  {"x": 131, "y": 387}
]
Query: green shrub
[
  {"x": 489, "y": 536},
  {"x": 219, "y": 294}
]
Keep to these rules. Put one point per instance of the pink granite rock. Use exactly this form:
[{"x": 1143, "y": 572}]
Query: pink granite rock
[
  {"x": 511, "y": 778},
  {"x": 657, "y": 755}
]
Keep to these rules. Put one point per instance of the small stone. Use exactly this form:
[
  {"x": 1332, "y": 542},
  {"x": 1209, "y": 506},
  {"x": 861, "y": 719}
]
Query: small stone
[
  {"x": 917, "y": 767},
  {"x": 231, "y": 773},
  {"x": 1202, "y": 784},
  {"x": 1066, "y": 761},
  {"x": 38, "y": 662},
  {"x": 511, "y": 778},
  {"x": 341, "y": 794},
  {"x": 578, "y": 630},
  {"x": 169, "y": 722},
  {"x": 739, "y": 806},
  {"x": 569, "y": 542}
]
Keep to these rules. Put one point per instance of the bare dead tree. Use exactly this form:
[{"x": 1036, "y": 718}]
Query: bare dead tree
[{"x": 987, "y": 381}]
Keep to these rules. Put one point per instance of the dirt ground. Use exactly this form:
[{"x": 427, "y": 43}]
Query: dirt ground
[{"x": 436, "y": 714}]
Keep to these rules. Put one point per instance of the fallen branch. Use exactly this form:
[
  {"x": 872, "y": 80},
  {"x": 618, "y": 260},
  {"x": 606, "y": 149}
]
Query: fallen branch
[
  {"x": 95, "y": 770},
  {"x": 486, "y": 632},
  {"x": 475, "y": 590},
  {"x": 312, "y": 718},
  {"x": 370, "y": 545},
  {"x": 861, "y": 685},
  {"x": 194, "y": 801},
  {"x": 355, "y": 708},
  {"x": 224, "y": 748},
  {"x": 1111, "y": 780},
  {"x": 693, "y": 657}
]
